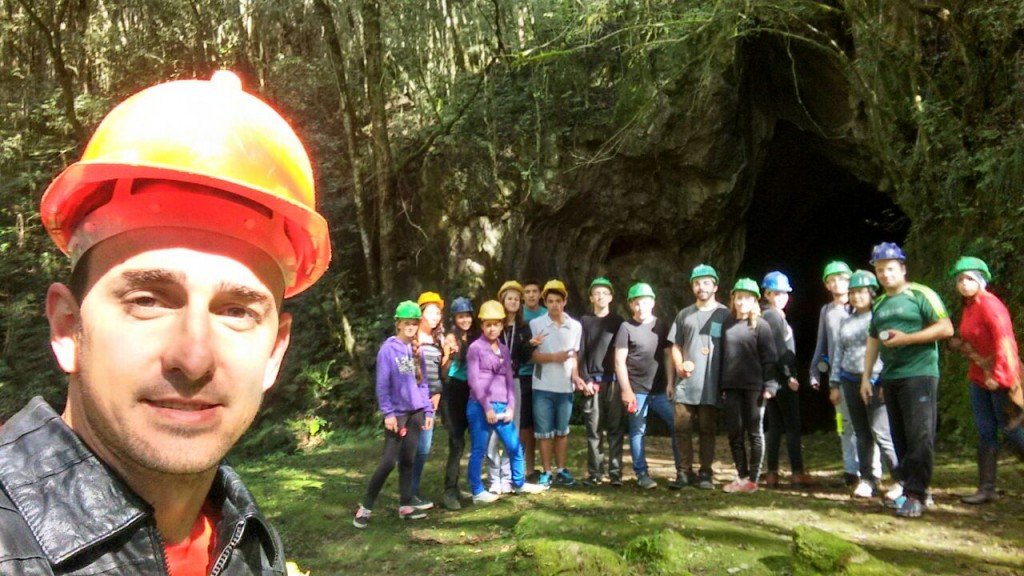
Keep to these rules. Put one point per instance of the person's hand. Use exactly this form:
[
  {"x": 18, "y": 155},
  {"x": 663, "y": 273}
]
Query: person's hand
[
  {"x": 991, "y": 383},
  {"x": 451, "y": 345},
  {"x": 536, "y": 340},
  {"x": 435, "y": 400},
  {"x": 391, "y": 424},
  {"x": 561, "y": 355},
  {"x": 508, "y": 416},
  {"x": 670, "y": 391},
  {"x": 866, "y": 392},
  {"x": 833, "y": 396},
  {"x": 428, "y": 423},
  {"x": 815, "y": 384},
  {"x": 768, "y": 394},
  {"x": 491, "y": 417},
  {"x": 896, "y": 339},
  {"x": 794, "y": 384},
  {"x": 628, "y": 397}
]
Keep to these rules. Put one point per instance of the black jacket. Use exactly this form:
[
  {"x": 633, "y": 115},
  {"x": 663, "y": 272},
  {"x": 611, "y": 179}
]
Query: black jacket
[{"x": 62, "y": 511}]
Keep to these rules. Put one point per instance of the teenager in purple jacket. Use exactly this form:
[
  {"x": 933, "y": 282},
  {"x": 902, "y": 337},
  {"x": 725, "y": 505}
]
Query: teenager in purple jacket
[
  {"x": 492, "y": 404},
  {"x": 404, "y": 399}
]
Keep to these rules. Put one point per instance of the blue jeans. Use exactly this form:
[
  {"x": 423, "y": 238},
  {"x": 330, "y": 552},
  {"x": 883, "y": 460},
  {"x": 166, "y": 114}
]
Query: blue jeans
[
  {"x": 662, "y": 408},
  {"x": 422, "y": 451},
  {"x": 479, "y": 432},
  {"x": 989, "y": 409},
  {"x": 551, "y": 413}
]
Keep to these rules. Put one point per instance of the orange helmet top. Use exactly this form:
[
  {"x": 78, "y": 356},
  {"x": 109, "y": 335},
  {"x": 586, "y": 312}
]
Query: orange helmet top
[{"x": 194, "y": 154}]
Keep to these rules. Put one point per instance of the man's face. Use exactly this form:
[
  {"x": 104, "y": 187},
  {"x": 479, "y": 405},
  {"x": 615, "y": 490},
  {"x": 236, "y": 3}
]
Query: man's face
[
  {"x": 838, "y": 284},
  {"x": 555, "y": 303},
  {"x": 171, "y": 349},
  {"x": 511, "y": 301},
  {"x": 891, "y": 273},
  {"x": 531, "y": 294},
  {"x": 642, "y": 308},
  {"x": 600, "y": 297},
  {"x": 704, "y": 288}
]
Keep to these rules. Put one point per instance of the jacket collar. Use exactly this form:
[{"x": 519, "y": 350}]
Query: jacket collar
[{"x": 72, "y": 501}]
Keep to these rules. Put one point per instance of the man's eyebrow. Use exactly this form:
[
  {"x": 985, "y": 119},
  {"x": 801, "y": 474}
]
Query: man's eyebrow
[
  {"x": 138, "y": 278},
  {"x": 245, "y": 293}
]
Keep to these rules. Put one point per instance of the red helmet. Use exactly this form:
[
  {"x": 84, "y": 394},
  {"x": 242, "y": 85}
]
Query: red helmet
[{"x": 194, "y": 154}]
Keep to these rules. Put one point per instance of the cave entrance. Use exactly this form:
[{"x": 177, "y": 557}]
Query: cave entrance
[{"x": 806, "y": 211}]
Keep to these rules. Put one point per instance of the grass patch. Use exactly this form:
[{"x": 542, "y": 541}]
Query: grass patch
[{"x": 310, "y": 497}]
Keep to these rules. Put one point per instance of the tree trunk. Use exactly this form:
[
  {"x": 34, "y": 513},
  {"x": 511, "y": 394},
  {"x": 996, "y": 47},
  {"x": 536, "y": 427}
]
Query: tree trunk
[
  {"x": 64, "y": 76},
  {"x": 381, "y": 145},
  {"x": 348, "y": 120}
]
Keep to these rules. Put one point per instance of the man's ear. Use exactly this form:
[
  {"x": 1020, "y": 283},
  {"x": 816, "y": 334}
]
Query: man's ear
[
  {"x": 64, "y": 315},
  {"x": 284, "y": 334}
]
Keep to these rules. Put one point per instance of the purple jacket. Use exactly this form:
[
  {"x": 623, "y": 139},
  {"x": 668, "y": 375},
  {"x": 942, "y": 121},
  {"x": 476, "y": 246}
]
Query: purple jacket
[
  {"x": 398, "y": 392},
  {"x": 490, "y": 375}
]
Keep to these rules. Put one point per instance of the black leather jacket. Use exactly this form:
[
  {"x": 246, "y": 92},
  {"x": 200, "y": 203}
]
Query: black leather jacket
[{"x": 62, "y": 511}]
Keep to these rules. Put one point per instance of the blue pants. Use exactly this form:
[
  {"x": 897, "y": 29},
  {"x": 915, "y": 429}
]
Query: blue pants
[
  {"x": 662, "y": 408},
  {"x": 479, "y": 432},
  {"x": 990, "y": 417},
  {"x": 422, "y": 451}
]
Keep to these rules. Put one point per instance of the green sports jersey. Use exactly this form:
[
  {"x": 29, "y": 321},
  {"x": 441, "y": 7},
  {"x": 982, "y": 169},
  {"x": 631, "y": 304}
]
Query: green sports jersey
[{"x": 912, "y": 310}]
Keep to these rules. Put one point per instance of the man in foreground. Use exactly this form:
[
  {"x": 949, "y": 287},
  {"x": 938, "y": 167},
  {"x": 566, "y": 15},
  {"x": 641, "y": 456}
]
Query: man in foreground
[{"x": 188, "y": 220}]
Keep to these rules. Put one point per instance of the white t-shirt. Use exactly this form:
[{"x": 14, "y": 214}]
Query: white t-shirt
[{"x": 556, "y": 376}]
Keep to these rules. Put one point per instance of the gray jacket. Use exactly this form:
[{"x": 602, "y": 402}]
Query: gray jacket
[{"x": 62, "y": 511}]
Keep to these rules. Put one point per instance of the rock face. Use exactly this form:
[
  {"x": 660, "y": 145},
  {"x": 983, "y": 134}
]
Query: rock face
[{"x": 670, "y": 186}]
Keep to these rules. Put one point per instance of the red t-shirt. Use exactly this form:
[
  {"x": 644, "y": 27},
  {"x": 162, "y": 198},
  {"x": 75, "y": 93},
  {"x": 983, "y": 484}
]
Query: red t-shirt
[
  {"x": 986, "y": 326},
  {"x": 192, "y": 556}
]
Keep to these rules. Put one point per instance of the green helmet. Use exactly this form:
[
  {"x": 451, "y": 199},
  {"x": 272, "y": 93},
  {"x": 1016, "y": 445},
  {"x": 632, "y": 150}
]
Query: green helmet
[
  {"x": 747, "y": 285},
  {"x": 703, "y": 270},
  {"x": 601, "y": 281},
  {"x": 407, "y": 310},
  {"x": 863, "y": 279},
  {"x": 835, "y": 267},
  {"x": 968, "y": 263},
  {"x": 640, "y": 290}
]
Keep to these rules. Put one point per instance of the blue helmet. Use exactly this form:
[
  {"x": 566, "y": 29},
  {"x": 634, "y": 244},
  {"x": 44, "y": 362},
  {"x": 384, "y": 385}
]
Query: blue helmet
[
  {"x": 887, "y": 251},
  {"x": 460, "y": 305},
  {"x": 776, "y": 282}
]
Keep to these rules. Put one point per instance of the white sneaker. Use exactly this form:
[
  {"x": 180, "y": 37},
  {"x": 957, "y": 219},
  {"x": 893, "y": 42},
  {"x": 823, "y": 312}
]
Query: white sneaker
[
  {"x": 484, "y": 497},
  {"x": 864, "y": 490},
  {"x": 530, "y": 488},
  {"x": 893, "y": 494}
]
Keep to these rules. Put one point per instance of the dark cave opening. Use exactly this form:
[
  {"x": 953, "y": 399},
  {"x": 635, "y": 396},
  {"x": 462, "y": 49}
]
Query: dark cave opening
[{"x": 807, "y": 211}]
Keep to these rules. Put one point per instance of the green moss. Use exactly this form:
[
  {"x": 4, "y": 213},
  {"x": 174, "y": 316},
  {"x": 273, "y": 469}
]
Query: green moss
[
  {"x": 538, "y": 523},
  {"x": 545, "y": 557},
  {"x": 664, "y": 553},
  {"x": 816, "y": 552}
]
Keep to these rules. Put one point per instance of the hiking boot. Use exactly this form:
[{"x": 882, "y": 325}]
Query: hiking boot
[
  {"x": 986, "y": 479},
  {"x": 545, "y": 479},
  {"x": 804, "y": 480},
  {"x": 706, "y": 484},
  {"x": 410, "y": 513},
  {"x": 646, "y": 482},
  {"x": 362, "y": 519},
  {"x": 616, "y": 481},
  {"x": 564, "y": 478},
  {"x": 911, "y": 508},
  {"x": 850, "y": 480},
  {"x": 678, "y": 484},
  {"x": 864, "y": 490},
  {"x": 529, "y": 488},
  {"x": 421, "y": 504},
  {"x": 592, "y": 480},
  {"x": 451, "y": 500},
  {"x": 485, "y": 497},
  {"x": 771, "y": 480}
]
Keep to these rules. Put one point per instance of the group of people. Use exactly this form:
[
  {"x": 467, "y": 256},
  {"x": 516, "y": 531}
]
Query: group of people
[{"x": 508, "y": 376}]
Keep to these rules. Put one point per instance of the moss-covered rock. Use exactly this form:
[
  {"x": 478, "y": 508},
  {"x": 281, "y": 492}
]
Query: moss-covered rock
[
  {"x": 817, "y": 553},
  {"x": 662, "y": 554},
  {"x": 538, "y": 523},
  {"x": 545, "y": 557}
]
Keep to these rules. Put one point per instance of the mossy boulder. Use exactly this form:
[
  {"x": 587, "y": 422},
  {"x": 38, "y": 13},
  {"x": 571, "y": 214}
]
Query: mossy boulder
[
  {"x": 817, "y": 553},
  {"x": 538, "y": 523},
  {"x": 545, "y": 557},
  {"x": 662, "y": 554}
]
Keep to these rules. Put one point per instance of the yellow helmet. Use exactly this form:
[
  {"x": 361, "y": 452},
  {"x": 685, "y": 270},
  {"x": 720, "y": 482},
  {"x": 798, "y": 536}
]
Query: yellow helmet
[
  {"x": 510, "y": 285},
  {"x": 556, "y": 286},
  {"x": 491, "y": 310},
  {"x": 430, "y": 298},
  {"x": 194, "y": 154}
]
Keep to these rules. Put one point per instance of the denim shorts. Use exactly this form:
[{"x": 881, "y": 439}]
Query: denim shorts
[{"x": 551, "y": 412}]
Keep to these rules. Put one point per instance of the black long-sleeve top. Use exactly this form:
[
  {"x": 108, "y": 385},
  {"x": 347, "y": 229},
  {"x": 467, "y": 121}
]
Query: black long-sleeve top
[{"x": 748, "y": 356}]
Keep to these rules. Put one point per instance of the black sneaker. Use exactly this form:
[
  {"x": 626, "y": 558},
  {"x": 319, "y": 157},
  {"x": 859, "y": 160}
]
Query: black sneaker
[
  {"x": 592, "y": 480},
  {"x": 451, "y": 500},
  {"x": 616, "y": 482},
  {"x": 362, "y": 519},
  {"x": 679, "y": 483},
  {"x": 421, "y": 504}
]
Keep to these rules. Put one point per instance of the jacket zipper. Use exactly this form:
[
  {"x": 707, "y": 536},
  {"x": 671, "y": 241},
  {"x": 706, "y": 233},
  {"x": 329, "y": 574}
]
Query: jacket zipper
[{"x": 236, "y": 537}]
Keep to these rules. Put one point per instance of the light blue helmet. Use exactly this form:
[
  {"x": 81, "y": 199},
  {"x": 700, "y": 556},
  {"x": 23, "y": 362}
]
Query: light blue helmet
[{"x": 776, "y": 282}]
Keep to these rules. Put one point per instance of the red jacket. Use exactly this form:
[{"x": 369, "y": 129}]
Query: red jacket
[{"x": 986, "y": 326}]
